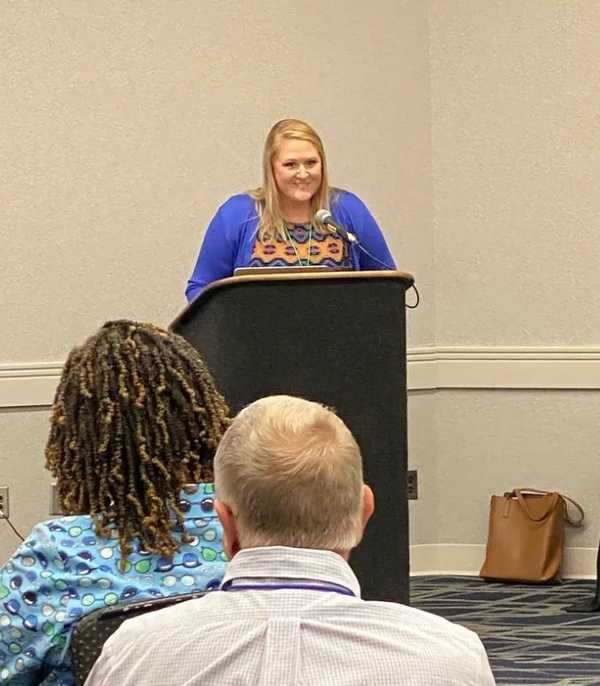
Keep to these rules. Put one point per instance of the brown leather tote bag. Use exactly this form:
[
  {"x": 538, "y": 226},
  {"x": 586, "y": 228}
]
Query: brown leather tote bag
[{"x": 526, "y": 536}]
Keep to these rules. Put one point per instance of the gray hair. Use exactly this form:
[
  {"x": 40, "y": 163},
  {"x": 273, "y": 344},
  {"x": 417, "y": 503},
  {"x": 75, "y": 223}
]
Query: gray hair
[{"x": 291, "y": 472}]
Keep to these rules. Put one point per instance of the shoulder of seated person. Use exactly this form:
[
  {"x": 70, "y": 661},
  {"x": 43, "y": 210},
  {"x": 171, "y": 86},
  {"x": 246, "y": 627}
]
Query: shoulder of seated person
[
  {"x": 47, "y": 530},
  {"x": 412, "y": 616},
  {"x": 156, "y": 620}
]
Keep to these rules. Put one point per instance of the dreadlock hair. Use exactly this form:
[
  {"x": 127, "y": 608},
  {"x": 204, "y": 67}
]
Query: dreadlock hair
[{"x": 136, "y": 416}]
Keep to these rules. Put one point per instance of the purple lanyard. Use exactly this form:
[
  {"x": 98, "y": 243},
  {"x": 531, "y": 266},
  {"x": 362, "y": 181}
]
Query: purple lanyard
[{"x": 324, "y": 588}]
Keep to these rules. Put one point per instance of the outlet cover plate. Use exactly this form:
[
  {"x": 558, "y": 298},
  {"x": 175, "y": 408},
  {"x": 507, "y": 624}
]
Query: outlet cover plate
[{"x": 412, "y": 484}]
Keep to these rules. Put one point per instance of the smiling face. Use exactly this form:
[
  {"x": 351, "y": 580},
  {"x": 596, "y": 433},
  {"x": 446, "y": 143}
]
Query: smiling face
[{"x": 298, "y": 172}]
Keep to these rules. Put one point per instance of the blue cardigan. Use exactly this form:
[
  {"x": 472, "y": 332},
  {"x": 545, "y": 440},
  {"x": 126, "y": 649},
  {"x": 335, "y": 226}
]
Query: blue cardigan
[{"x": 231, "y": 235}]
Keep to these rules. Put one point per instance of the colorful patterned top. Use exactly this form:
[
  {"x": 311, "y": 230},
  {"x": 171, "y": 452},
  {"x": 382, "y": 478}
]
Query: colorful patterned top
[
  {"x": 64, "y": 571},
  {"x": 304, "y": 245},
  {"x": 230, "y": 239}
]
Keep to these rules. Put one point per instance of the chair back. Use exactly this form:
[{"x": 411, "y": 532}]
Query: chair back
[{"x": 92, "y": 631}]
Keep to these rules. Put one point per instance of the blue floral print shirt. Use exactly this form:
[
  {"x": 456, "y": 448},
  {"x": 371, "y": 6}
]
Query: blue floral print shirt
[{"x": 64, "y": 571}]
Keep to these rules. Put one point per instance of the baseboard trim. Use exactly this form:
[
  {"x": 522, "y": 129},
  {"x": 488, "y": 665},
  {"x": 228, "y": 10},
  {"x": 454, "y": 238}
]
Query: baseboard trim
[
  {"x": 461, "y": 559},
  {"x": 432, "y": 368}
]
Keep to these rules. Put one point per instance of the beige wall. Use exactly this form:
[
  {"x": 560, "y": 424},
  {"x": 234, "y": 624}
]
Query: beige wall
[
  {"x": 129, "y": 123},
  {"x": 124, "y": 126},
  {"x": 491, "y": 441},
  {"x": 515, "y": 139}
]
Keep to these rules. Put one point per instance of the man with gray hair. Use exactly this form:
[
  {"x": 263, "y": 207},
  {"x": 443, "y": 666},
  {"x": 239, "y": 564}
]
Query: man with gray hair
[{"x": 292, "y": 502}]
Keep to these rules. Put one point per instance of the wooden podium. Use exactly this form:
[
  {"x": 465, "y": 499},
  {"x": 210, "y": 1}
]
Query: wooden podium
[{"x": 338, "y": 338}]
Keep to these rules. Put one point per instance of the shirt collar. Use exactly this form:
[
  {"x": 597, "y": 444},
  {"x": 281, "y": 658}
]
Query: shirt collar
[{"x": 281, "y": 562}]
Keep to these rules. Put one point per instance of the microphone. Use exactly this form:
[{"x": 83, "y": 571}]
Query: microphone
[{"x": 325, "y": 218}]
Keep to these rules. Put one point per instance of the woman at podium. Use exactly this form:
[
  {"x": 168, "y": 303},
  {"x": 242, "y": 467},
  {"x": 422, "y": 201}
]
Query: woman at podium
[{"x": 295, "y": 219}]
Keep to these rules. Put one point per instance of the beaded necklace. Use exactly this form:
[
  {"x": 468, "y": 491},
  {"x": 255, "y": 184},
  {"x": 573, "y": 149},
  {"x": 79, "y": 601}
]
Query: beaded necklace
[{"x": 293, "y": 244}]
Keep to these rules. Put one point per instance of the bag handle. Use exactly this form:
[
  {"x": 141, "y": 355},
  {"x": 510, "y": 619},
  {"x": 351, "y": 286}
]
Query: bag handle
[{"x": 518, "y": 492}]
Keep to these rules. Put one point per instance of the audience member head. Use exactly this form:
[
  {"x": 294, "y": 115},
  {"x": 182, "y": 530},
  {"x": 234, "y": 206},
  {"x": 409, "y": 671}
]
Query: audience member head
[
  {"x": 289, "y": 472},
  {"x": 136, "y": 416}
]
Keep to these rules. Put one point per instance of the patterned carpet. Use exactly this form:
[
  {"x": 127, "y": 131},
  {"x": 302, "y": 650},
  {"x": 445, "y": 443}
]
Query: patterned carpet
[{"x": 529, "y": 637}]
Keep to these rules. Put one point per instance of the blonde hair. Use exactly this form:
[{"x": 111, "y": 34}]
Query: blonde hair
[
  {"x": 291, "y": 472},
  {"x": 271, "y": 220}
]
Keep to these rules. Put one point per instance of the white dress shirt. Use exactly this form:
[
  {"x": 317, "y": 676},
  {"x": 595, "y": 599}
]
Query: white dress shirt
[{"x": 313, "y": 628}]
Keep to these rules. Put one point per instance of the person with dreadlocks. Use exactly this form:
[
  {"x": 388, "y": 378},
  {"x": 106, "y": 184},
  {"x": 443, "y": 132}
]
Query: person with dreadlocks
[{"x": 134, "y": 426}]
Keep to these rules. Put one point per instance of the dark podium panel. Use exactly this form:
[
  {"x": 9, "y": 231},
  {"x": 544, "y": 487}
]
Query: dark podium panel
[{"x": 337, "y": 338}]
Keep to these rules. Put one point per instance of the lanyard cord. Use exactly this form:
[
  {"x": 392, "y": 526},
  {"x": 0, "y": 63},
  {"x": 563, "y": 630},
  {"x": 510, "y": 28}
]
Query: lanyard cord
[
  {"x": 293, "y": 244},
  {"x": 324, "y": 588}
]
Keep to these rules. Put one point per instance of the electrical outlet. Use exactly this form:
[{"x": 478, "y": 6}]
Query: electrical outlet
[
  {"x": 55, "y": 508},
  {"x": 412, "y": 484},
  {"x": 4, "y": 505}
]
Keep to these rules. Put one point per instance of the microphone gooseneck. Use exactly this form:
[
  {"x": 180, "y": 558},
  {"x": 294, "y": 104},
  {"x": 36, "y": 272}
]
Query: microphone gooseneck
[{"x": 325, "y": 218}]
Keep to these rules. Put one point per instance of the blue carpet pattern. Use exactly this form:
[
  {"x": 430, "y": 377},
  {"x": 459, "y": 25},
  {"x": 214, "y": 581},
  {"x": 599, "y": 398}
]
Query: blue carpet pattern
[{"x": 529, "y": 637}]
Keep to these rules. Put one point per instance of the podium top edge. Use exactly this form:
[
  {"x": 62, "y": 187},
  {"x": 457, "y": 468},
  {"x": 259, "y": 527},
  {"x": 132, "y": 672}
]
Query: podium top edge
[
  {"x": 405, "y": 277},
  {"x": 312, "y": 276}
]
